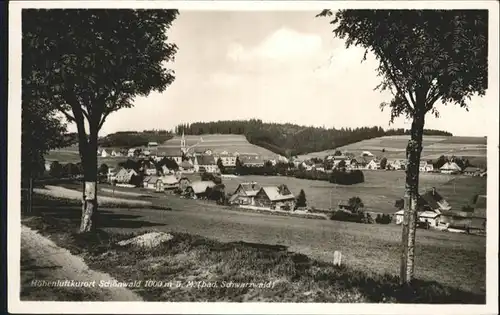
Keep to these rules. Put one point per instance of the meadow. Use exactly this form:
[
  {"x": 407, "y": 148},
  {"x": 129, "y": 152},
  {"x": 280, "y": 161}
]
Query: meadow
[
  {"x": 219, "y": 143},
  {"x": 378, "y": 192},
  {"x": 433, "y": 147}
]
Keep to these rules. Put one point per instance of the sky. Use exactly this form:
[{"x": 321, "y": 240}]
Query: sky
[{"x": 283, "y": 67}]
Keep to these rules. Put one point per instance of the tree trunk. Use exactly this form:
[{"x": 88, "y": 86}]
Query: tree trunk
[
  {"x": 88, "y": 155},
  {"x": 413, "y": 152},
  {"x": 89, "y": 202}
]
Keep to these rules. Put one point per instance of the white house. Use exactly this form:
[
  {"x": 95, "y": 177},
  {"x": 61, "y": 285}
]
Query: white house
[
  {"x": 104, "y": 153},
  {"x": 123, "y": 176},
  {"x": 131, "y": 152},
  {"x": 366, "y": 153},
  {"x": 373, "y": 165},
  {"x": 450, "y": 168},
  {"x": 425, "y": 216},
  {"x": 205, "y": 163}
]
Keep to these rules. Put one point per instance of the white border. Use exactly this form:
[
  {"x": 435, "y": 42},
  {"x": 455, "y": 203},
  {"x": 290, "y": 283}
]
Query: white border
[{"x": 14, "y": 157}]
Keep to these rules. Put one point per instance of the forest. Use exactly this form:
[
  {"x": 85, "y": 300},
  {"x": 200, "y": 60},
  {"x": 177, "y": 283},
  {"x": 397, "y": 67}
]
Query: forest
[{"x": 292, "y": 139}]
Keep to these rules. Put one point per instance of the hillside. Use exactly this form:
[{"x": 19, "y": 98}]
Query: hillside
[
  {"x": 292, "y": 139},
  {"x": 217, "y": 143},
  {"x": 473, "y": 148}
]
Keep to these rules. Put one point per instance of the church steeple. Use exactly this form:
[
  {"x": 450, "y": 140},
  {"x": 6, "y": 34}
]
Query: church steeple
[{"x": 183, "y": 143}]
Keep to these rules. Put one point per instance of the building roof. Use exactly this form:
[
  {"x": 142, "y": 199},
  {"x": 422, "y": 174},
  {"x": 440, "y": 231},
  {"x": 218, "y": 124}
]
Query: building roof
[
  {"x": 434, "y": 200},
  {"x": 205, "y": 160},
  {"x": 186, "y": 165},
  {"x": 428, "y": 214},
  {"x": 251, "y": 159},
  {"x": 169, "y": 151},
  {"x": 201, "y": 186},
  {"x": 274, "y": 193},
  {"x": 250, "y": 189},
  {"x": 473, "y": 169},
  {"x": 169, "y": 179},
  {"x": 450, "y": 166}
]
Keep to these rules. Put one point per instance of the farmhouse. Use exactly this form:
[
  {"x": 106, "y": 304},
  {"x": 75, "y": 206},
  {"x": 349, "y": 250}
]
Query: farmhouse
[
  {"x": 245, "y": 194},
  {"x": 430, "y": 206},
  {"x": 473, "y": 171},
  {"x": 252, "y": 160},
  {"x": 205, "y": 163},
  {"x": 366, "y": 153},
  {"x": 373, "y": 165},
  {"x": 172, "y": 153},
  {"x": 198, "y": 189},
  {"x": 152, "y": 145},
  {"x": 275, "y": 197},
  {"x": 319, "y": 167},
  {"x": 396, "y": 164},
  {"x": 124, "y": 175},
  {"x": 425, "y": 166},
  {"x": 450, "y": 168},
  {"x": 104, "y": 153},
  {"x": 468, "y": 221},
  {"x": 150, "y": 171},
  {"x": 131, "y": 152},
  {"x": 227, "y": 159},
  {"x": 432, "y": 218},
  {"x": 160, "y": 183}
]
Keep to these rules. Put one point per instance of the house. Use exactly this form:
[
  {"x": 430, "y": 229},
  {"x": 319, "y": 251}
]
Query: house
[
  {"x": 228, "y": 160},
  {"x": 160, "y": 183},
  {"x": 373, "y": 165},
  {"x": 170, "y": 182},
  {"x": 474, "y": 221},
  {"x": 111, "y": 176},
  {"x": 131, "y": 152},
  {"x": 393, "y": 164},
  {"x": 124, "y": 175},
  {"x": 425, "y": 166},
  {"x": 430, "y": 217},
  {"x": 450, "y": 168},
  {"x": 319, "y": 167},
  {"x": 366, "y": 153},
  {"x": 473, "y": 171},
  {"x": 104, "y": 153},
  {"x": 245, "y": 194},
  {"x": 275, "y": 197},
  {"x": 152, "y": 145},
  {"x": 430, "y": 208},
  {"x": 431, "y": 200},
  {"x": 198, "y": 189},
  {"x": 150, "y": 171},
  {"x": 187, "y": 166},
  {"x": 205, "y": 163},
  {"x": 251, "y": 160}
]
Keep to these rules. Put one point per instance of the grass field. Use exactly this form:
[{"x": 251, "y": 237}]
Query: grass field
[
  {"x": 433, "y": 147},
  {"x": 68, "y": 156},
  {"x": 219, "y": 143},
  {"x": 378, "y": 192},
  {"x": 262, "y": 248}
]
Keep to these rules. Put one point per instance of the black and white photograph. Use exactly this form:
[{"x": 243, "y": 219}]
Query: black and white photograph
[{"x": 241, "y": 155}]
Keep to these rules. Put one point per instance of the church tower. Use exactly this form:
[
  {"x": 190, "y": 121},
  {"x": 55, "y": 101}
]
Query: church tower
[{"x": 183, "y": 143}]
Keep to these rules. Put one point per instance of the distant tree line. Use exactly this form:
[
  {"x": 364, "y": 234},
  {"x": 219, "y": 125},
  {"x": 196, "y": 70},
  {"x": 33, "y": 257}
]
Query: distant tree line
[
  {"x": 292, "y": 139},
  {"x": 131, "y": 139}
]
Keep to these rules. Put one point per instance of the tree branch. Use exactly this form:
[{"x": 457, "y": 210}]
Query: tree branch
[
  {"x": 393, "y": 79},
  {"x": 67, "y": 115}
]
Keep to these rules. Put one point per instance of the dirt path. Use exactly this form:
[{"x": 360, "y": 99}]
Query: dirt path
[{"x": 43, "y": 260}]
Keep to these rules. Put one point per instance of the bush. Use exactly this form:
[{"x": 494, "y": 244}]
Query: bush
[
  {"x": 347, "y": 178},
  {"x": 383, "y": 219},
  {"x": 341, "y": 215}
]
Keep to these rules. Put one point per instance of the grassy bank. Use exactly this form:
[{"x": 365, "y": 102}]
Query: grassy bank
[{"x": 294, "y": 277}]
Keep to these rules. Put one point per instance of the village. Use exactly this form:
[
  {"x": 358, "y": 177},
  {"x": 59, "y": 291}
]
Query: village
[{"x": 199, "y": 173}]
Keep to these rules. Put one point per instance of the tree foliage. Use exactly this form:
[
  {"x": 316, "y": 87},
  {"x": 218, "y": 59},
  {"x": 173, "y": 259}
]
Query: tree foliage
[
  {"x": 88, "y": 64},
  {"x": 301, "y": 199},
  {"x": 424, "y": 54}
]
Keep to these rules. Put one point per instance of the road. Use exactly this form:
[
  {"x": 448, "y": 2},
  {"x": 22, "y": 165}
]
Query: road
[{"x": 451, "y": 258}]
